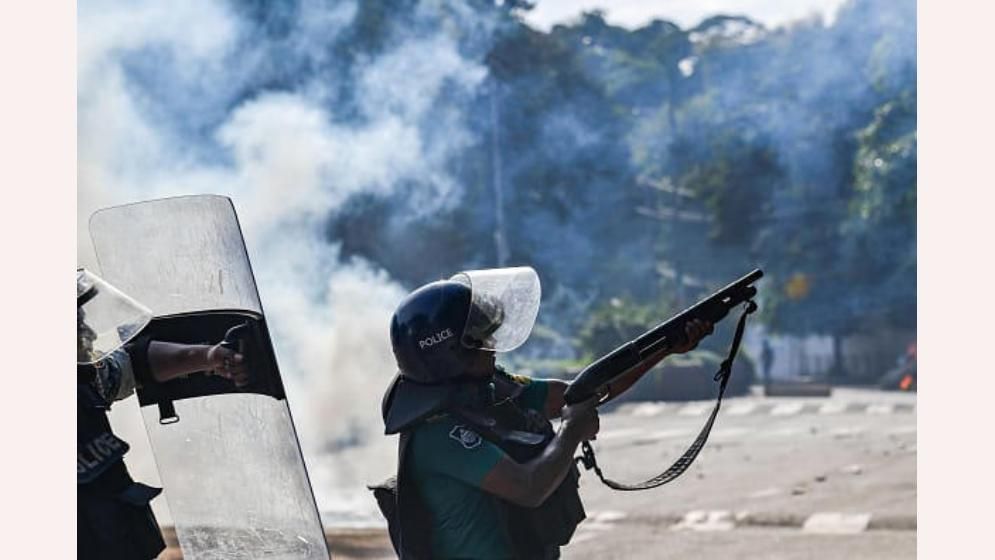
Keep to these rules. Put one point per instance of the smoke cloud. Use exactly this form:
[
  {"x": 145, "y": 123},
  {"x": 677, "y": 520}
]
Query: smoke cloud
[
  {"x": 186, "y": 98},
  {"x": 352, "y": 137}
]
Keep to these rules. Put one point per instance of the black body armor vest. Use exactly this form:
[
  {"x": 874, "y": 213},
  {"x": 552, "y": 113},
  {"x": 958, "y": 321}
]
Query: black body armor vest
[
  {"x": 114, "y": 519},
  {"x": 534, "y": 533}
]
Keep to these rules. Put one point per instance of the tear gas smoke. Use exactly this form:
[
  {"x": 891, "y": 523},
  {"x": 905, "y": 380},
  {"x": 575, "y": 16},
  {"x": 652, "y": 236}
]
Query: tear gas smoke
[
  {"x": 351, "y": 138},
  {"x": 173, "y": 99}
]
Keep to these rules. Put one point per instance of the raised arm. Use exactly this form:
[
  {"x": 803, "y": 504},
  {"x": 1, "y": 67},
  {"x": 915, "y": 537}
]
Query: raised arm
[
  {"x": 529, "y": 484},
  {"x": 694, "y": 331},
  {"x": 169, "y": 360}
]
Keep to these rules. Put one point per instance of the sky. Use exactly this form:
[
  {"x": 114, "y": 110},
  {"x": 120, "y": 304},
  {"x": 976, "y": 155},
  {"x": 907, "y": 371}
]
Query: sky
[{"x": 686, "y": 13}]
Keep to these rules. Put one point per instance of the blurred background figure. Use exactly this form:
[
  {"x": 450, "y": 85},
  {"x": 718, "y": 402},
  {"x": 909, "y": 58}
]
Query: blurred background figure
[{"x": 767, "y": 358}]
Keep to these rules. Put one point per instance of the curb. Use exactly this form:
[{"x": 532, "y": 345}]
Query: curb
[
  {"x": 818, "y": 522},
  {"x": 768, "y": 408}
]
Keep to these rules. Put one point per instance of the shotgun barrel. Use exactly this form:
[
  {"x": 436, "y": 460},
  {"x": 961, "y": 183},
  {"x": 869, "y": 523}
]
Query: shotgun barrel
[{"x": 670, "y": 333}]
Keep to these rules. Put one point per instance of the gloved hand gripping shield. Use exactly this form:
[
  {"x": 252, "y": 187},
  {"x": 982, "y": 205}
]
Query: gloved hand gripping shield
[
  {"x": 504, "y": 303},
  {"x": 106, "y": 318}
]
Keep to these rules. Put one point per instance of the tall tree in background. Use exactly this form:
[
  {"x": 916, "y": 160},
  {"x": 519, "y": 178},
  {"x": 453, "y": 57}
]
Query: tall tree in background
[{"x": 641, "y": 164}]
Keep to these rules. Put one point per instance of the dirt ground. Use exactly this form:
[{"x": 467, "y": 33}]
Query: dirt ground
[{"x": 345, "y": 544}]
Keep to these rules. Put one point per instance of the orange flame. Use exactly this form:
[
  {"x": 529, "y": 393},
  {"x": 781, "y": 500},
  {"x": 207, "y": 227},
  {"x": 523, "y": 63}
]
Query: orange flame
[{"x": 906, "y": 382}]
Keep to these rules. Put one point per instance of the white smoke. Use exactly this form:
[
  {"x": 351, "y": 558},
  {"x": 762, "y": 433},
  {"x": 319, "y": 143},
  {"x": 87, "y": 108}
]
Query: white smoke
[{"x": 286, "y": 163}]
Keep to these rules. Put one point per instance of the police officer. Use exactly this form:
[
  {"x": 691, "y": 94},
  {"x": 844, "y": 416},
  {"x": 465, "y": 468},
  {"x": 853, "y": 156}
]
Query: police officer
[
  {"x": 767, "y": 359},
  {"x": 481, "y": 471},
  {"x": 114, "y": 519}
]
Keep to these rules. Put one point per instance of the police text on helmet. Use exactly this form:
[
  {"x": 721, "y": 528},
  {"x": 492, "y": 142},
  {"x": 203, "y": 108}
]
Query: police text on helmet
[{"x": 435, "y": 338}]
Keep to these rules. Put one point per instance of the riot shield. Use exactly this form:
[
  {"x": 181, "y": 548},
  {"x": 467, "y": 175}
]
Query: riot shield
[{"x": 228, "y": 457}]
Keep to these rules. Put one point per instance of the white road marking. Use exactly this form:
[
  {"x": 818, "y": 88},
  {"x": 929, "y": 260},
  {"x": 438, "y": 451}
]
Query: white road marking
[
  {"x": 743, "y": 408},
  {"x": 706, "y": 521},
  {"x": 620, "y": 433},
  {"x": 647, "y": 409},
  {"x": 695, "y": 409},
  {"x": 881, "y": 408},
  {"x": 608, "y": 516},
  {"x": 724, "y": 520},
  {"x": 837, "y": 523},
  {"x": 832, "y": 408},
  {"x": 786, "y": 409},
  {"x": 740, "y": 409}
]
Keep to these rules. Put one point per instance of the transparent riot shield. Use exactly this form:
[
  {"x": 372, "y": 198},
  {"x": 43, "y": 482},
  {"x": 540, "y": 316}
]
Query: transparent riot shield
[{"x": 228, "y": 456}]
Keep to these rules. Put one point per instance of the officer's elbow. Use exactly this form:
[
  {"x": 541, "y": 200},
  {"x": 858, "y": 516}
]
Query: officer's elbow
[
  {"x": 527, "y": 498},
  {"x": 534, "y": 493},
  {"x": 518, "y": 484}
]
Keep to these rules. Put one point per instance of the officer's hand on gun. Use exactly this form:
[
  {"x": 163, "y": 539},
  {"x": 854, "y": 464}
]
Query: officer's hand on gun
[
  {"x": 582, "y": 418},
  {"x": 694, "y": 331},
  {"x": 228, "y": 364}
]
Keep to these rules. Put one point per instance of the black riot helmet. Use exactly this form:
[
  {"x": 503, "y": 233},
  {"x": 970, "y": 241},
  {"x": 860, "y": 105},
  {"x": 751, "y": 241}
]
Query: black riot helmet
[
  {"x": 425, "y": 332},
  {"x": 438, "y": 329}
]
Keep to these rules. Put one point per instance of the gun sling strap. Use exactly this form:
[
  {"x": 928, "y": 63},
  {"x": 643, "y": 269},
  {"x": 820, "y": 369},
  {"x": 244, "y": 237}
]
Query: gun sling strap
[{"x": 677, "y": 469}]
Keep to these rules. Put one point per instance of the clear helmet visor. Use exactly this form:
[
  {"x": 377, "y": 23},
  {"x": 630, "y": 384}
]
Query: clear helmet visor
[
  {"x": 504, "y": 303},
  {"x": 106, "y": 318}
]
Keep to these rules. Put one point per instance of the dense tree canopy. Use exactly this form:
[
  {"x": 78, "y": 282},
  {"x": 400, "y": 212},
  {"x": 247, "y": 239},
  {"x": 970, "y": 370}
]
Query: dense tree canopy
[{"x": 655, "y": 164}]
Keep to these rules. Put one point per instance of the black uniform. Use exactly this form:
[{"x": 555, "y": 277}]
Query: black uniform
[
  {"x": 435, "y": 333},
  {"x": 533, "y": 533},
  {"x": 114, "y": 519}
]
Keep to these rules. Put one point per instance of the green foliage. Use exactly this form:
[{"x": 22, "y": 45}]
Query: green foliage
[
  {"x": 885, "y": 167},
  {"x": 690, "y": 376},
  {"x": 734, "y": 184},
  {"x": 656, "y": 164},
  {"x": 617, "y": 321}
]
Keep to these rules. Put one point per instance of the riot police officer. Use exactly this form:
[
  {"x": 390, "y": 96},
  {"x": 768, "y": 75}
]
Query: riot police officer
[
  {"x": 481, "y": 472},
  {"x": 114, "y": 519}
]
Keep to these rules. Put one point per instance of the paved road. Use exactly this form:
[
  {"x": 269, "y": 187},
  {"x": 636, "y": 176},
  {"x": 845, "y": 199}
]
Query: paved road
[
  {"x": 747, "y": 544},
  {"x": 780, "y": 479},
  {"x": 850, "y": 453}
]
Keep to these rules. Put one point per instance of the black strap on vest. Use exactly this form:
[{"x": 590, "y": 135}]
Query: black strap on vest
[{"x": 677, "y": 469}]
